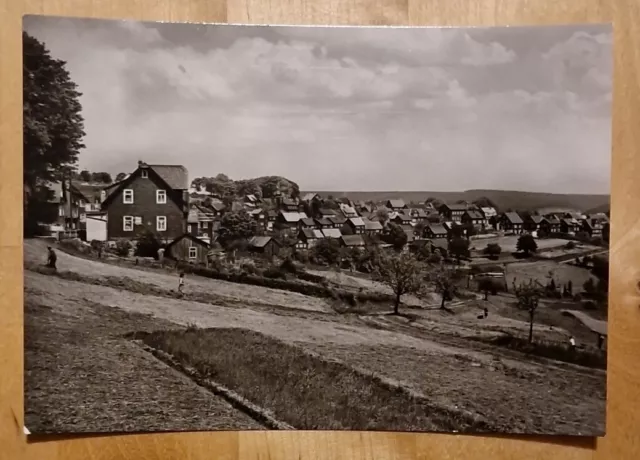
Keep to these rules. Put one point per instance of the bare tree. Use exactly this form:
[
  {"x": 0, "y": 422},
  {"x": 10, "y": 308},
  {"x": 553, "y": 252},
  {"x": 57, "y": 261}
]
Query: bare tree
[
  {"x": 401, "y": 272},
  {"x": 445, "y": 281},
  {"x": 528, "y": 295}
]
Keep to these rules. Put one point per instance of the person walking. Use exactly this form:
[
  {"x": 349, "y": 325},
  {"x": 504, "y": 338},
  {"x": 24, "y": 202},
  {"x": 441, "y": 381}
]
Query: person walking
[
  {"x": 572, "y": 343},
  {"x": 181, "y": 283},
  {"x": 52, "y": 258}
]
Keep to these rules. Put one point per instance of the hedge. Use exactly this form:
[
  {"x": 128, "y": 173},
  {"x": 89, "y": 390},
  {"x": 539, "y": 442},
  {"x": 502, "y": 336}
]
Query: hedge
[{"x": 288, "y": 285}]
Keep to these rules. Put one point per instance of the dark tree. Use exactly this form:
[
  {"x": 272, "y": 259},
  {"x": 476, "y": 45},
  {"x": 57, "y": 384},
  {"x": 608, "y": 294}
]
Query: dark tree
[
  {"x": 236, "y": 226},
  {"x": 102, "y": 177},
  {"x": 487, "y": 286},
  {"x": 402, "y": 273},
  {"x": 395, "y": 236},
  {"x": 492, "y": 250},
  {"x": 459, "y": 248},
  {"x": 527, "y": 244},
  {"x": 147, "y": 245},
  {"x": 84, "y": 176},
  {"x": 53, "y": 126},
  {"x": 528, "y": 295},
  {"x": 120, "y": 176},
  {"x": 382, "y": 214},
  {"x": 327, "y": 250}
]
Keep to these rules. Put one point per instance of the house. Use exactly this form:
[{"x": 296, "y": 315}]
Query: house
[
  {"x": 311, "y": 197},
  {"x": 66, "y": 205},
  {"x": 595, "y": 224},
  {"x": 363, "y": 207},
  {"x": 357, "y": 225},
  {"x": 511, "y": 222},
  {"x": 401, "y": 218},
  {"x": 153, "y": 198},
  {"x": 200, "y": 222},
  {"x": 550, "y": 225},
  {"x": 435, "y": 231},
  {"x": 488, "y": 212},
  {"x": 272, "y": 216},
  {"x": 307, "y": 222},
  {"x": 217, "y": 207},
  {"x": 96, "y": 226},
  {"x": 92, "y": 194},
  {"x": 475, "y": 218},
  {"x": 188, "y": 248},
  {"x": 532, "y": 223},
  {"x": 323, "y": 223},
  {"x": 289, "y": 204},
  {"x": 352, "y": 241},
  {"x": 308, "y": 237},
  {"x": 410, "y": 232},
  {"x": 337, "y": 221},
  {"x": 372, "y": 227},
  {"x": 259, "y": 216},
  {"x": 333, "y": 233},
  {"x": 348, "y": 211},
  {"x": 419, "y": 215},
  {"x": 453, "y": 212},
  {"x": 569, "y": 226},
  {"x": 326, "y": 212},
  {"x": 396, "y": 205},
  {"x": 251, "y": 199},
  {"x": 264, "y": 245},
  {"x": 289, "y": 220}
]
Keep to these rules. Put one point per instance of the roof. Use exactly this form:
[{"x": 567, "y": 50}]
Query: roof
[
  {"x": 90, "y": 191},
  {"x": 217, "y": 205},
  {"x": 312, "y": 233},
  {"x": 570, "y": 222},
  {"x": 513, "y": 217},
  {"x": 489, "y": 211},
  {"x": 338, "y": 220},
  {"x": 372, "y": 225},
  {"x": 457, "y": 206},
  {"x": 272, "y": 213},
  {"x": 437, "y": 229},
  {"x": 289, "y": 202},
  {"x": 327, "y": 212},
  {"x": 256, "y": 212},
  {"x": 404, "y": 217},
  {"x": 474, "y": 214},
  {"x": 252, "y": 198},
  {"x": 308, "y": 221},
  {"x": 419, "y": 212},
  {"x": 259, "y": 241},
  {"x": 189, "y": 237},
  {"x": 352, "y": 240},
  {"x": 536, "y": 219},
  {"x": 553, "y": 220},
  {"x": 293, "y": 217},
  {"x": 176, "y": 176},
  {"x": 332, "y": 233},
  {"x": 396, "y": 203},
  {"x": 357, "y": 222},
  {"x": 323, "y": 221},
  {"x": 310, "y": 196}
]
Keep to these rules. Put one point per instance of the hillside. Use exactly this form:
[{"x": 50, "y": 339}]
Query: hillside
[{"x": 504, "y": 199}]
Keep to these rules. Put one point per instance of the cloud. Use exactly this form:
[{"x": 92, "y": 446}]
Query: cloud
[{"x": 344, "y": 108}]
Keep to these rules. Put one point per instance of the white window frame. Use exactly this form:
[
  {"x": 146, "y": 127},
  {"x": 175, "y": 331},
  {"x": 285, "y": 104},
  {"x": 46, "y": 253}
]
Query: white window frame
[
  {"x": 124, "y": 196},
  {"x": 127, "y": 220},
  {"x": 161, "y": 197},
  {"x": 144, "y": 173},
  {"x": 205, "y": 224},
  {"x": 194, "y": 254},
  {"x": 161, "y": 228}
]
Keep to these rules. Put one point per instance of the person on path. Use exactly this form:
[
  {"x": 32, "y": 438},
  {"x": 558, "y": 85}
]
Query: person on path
[
  {"x": 51, "y": 258},
  {"x": 161, "y": 256},
  {"x": 181, "y": 283},
  {"x": 572, "y": 343}
]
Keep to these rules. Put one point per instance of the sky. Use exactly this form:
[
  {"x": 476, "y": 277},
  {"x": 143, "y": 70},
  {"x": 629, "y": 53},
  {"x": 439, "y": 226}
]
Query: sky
[{"x": 346, "y": 109}]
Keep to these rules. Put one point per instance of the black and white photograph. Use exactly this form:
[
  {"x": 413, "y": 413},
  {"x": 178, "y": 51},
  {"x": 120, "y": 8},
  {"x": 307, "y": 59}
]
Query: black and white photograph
[{"x": 251, "y": 227}]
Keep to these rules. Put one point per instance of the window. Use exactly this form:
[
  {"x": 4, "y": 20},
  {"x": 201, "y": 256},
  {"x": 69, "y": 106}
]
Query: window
[
  {"x": 161, "y": 223},
  {"x": 127, "y": 223},
  {"x": 127, "y": 196},
  {"x": 161, "y": 196},
  {"x": 205, "y": 224},
  {"x": 193, "y": 252},
  {"x": 61, "y": 211},
  {"x": 138, "y": 220},
  {"x": 144, "y": 173}
]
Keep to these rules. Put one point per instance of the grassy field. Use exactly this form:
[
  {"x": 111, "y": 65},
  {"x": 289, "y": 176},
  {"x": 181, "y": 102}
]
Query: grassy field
[
  {"x": 504, "y": 199},
  {"x": 76, "y": 320},
  {"x": 540, "y": 270},
  {"x": 508, "y": 243}
]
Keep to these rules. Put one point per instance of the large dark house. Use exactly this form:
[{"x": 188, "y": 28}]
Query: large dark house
[
  {"x": 453, "y": 212},
  {"x": 153, "y": 198}
]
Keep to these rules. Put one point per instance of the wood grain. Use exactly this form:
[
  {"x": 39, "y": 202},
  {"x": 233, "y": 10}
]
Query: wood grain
[{"x": 623, "y": 417}]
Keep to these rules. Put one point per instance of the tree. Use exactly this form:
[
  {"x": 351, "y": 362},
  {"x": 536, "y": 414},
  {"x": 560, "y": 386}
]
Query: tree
[
  {"x": 492, "y": 250},
  {"x": 327, "y": 250},
  {"x": 102, "y": 177},
  {"x": 120, "y": 176},
  {"x": 147, "y": 245},
  {"x": 53, "y": 127},
  {"x": 395, "y": 236},
  {"x": 84, "y": 176},
  {"x": 528, "y": 295},
  {"x": 526, "y": 244},
  {"x": 419, "y": 228},
  {"x": 458, "y": 248},
  {"x": 487, "y": 286},
  {"x": 401, "y": 272},
  {"x": 382, "y": 214},
  {"x": 445, "y": 282},
  {"x": 484, "y": 202},
  {"x": 236, "y": 226}
]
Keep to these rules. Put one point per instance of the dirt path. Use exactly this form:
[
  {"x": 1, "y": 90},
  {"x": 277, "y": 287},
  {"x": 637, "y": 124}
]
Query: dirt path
[
  {"x": 597, "y": 326},
  {"x": 35, "y": 252}
]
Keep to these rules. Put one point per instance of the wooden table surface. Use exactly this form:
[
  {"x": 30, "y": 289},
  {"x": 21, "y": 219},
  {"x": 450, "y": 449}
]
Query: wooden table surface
[{"x": 623, "y": 418}]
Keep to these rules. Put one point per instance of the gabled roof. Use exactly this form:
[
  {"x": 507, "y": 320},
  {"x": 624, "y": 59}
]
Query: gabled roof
[
  {"x": 292, "y": 217},
  {"x": 189, "y": 237},
  {"x": 396, "y": 203},
  {"x": 176, "y": 176},
  {"x": 474, "y": 214},
  {"x": 553, "y": 220},
  {"x": 347, "y": 210},
  {"x": 357, "y": 222},
  {"x": 489, "y": 211},
  {"x": 457, "y": 206},
  {"x": 513, "y": 217},
  {"x": 352, "y": 240},
  {"x": 402, "y": 216},
  {"x": 310, "y": 196},
  {"x": 372, "y": 225},
  {"x": 308, "y": 221},
  {"x": 256, "y": 212},
  {"x": 536, "y": 219},
  {"x": 312, "y": 233},
  {"x": 437, "y": 229},
  {"x": 327, "y": 212},
  {"x": 337, "y": 220},
  {"x": 419, "y": 212},
  {"x": 261, "y": 241},
  {"x": 217, "y": 205},
  {"x": 252, "y": 198},
  {"x": 323, "y": 221},
  {"x": 332, "y": 233}
]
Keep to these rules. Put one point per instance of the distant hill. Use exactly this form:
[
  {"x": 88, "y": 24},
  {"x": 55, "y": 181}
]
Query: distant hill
[{"x": 504, "y": 199}]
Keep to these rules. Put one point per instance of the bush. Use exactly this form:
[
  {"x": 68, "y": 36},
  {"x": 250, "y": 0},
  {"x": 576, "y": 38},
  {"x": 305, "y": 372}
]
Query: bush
[
  {"x": 123, "y": 248},
  {"x": 275, "y": 273},
  {"x": 570, "y": 245}
]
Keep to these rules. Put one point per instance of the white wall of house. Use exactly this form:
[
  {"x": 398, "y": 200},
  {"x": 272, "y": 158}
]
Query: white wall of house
[{"x": 97, "y": 228}]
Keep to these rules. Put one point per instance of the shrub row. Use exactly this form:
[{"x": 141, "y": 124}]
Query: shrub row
[
  {"x": 288, "y": 285},
  {"x": 553, "y": 351}
]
